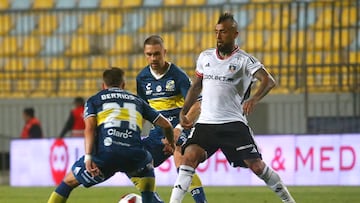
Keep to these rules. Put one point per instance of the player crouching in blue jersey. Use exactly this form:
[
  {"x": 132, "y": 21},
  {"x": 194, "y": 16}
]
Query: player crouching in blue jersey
[{"x": 113, "y": 122}]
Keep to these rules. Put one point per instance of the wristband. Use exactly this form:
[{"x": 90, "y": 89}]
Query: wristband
[
  {"x": 178, "y": 126},
  {"x": 87, "y": 157}
]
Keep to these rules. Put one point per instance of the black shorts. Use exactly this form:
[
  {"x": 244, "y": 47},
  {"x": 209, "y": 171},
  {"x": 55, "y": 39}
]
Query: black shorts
[{"x": 235, "y": 139}]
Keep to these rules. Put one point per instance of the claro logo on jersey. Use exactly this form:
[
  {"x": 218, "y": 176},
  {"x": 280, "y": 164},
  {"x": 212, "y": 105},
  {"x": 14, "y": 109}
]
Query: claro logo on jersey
[
  {"x": 217, "y": 77},
  {"x": 59, "y": 160}
]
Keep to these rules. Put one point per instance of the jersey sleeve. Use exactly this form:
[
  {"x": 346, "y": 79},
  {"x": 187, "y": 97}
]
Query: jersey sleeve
[
  {"x": 89, "y": 109},
  {"x": 199, "y": 71},
  {"x": 253, "y": 65},
  {"x": 149, "y": 113},
  {"x": 184, "y": 84}
]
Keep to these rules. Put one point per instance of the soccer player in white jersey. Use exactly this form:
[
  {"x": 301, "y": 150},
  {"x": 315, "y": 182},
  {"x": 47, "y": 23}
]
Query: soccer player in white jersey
[{"x": 224, "y": 76}]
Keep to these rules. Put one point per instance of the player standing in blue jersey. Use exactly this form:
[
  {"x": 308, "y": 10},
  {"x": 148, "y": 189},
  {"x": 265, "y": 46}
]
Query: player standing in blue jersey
[
  {"x": 113, "y": 123},
  {"x": 164, "y": 86}
]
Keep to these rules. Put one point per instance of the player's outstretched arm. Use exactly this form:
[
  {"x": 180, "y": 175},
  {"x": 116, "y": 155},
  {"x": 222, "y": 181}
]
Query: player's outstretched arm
[
  {"x": 168, "y": 132},
  {"x": 267, "y": 82}
]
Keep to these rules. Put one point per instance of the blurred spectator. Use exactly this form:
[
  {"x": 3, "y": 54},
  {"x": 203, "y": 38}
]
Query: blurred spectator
[
  {"x": 32, "y": 128},
  {"x": 75, "y": 122}
]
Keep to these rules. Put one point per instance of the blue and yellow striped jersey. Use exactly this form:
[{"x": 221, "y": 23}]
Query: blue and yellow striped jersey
[
  {"x": 165, "y": 94},
  {"x": 119, "y": 116}
]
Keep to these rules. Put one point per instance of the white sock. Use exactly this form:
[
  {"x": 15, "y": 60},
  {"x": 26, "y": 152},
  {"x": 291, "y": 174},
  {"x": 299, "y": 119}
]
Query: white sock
[
  {"x": 273, "y": 181},
  {"x": 182, "y": 183}
]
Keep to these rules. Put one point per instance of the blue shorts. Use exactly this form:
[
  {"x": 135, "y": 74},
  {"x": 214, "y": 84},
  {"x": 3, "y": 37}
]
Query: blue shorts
[{"x": 136, "y": 162}]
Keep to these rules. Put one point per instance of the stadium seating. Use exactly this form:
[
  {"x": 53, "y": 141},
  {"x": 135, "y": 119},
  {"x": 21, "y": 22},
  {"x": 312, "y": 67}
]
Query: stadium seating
[
  {"x": 43, "y": 4},
  {"x": 73, "y": 40}
]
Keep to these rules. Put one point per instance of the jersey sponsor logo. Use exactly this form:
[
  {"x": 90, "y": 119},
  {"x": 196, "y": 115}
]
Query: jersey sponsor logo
[
  {"x": 107, "y": 141},
  {"x": 158, "y": 88},
  {"x": 113, "y": 132},
  {"x": 217, "y": 77},
  {"x": 170, "y": 86},
  {"x": 148, "y": 89},
  {"x": 59, "y": 160}
]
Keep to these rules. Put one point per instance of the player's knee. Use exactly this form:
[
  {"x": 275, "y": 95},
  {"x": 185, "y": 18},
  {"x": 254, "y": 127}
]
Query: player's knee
[
  {"x": 193, "y": 155},
  {"x": 70, "y": 180}
]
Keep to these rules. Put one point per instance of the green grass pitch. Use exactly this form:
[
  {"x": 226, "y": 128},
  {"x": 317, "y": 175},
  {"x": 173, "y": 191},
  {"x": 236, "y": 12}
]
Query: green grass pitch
[{"x": 303, "y": 194}]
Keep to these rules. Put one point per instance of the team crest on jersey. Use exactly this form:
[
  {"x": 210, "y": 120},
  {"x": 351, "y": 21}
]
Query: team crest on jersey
[
  {"x": 170, "y": 85},
  {"x": 232, "y": 68}
]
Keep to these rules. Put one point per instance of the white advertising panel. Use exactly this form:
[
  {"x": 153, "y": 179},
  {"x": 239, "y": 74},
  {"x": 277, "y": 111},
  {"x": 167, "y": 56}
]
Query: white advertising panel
[{"x": 299, "y": 160}]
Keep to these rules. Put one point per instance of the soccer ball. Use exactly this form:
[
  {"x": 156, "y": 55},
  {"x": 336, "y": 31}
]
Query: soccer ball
[{"x": 131, "y": 198}]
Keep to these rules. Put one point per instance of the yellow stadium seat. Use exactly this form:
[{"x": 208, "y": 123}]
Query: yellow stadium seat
[
  {"x": 6, "y": 24},
  {"x": 283, "y": 19},
  {"x": 197, "y": 22},
  {"x": 5, "y": 88},
  {"x": 131, "y": 3},
  {"x": 4, "y": 4},
  {"x": 354, "y": 57},
  {"x": 254, "y": 41},
  {"x": 31, "y": 46},
  {"x": 91, "y": 24},
  {"x": 207, "y": 40},
  {"x": 110, "y": 4},
  {"x": 90, "y": 86},
  {"x": 45, "y": 87},
  {"x": 299, "y": 40},
  {"x": 262, "y": 19},
  {"x": 169, "y": 41},
  {"x": 121, "y": 62},
  {"x": 348, "y": 16},
  {"x": 13, "y": 64},
  {"x": 123, "y": 44},
  {"x": 79, "y": 63},
  {"x": 99, "y": 63},
  {"x": 326, "y": 19},
  {"x": 139, "y": 62},
  {"x": 79, "y": 45},
  {"x": 112, "y": 23},
  {"x": 8, "y": 46},
  {"x": 173, "y": 2},
  {"x": 195, "y": 2},
  {"x": 25, "y": 86},
  {"x": 46, "y": 25},
  {"x": 35, "y": 64},
  {"x": 276, "y": 41},
  {"x": 43, "y": 4},
  {"x": 68, "y": 87},
  {"x": 185, "y": 61},
  {"x": 321, "y": 40},
  {"x": 154, "y": 22},
  {"x": 270, "y": 60},
  {"x": 57, "y": 63},
  {"x": 213, "y": 18},
  {"x": 130, "y": 85},
  {"x": 186, "y": 44}
]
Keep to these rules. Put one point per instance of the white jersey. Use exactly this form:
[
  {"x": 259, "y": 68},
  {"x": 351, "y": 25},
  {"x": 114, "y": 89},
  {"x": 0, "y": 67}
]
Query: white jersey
[{"x": 225, "y": 83}]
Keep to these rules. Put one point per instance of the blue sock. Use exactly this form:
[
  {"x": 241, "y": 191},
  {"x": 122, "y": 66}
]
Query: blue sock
[
  {"x": 63, "y": 189},
  {"x": 147, "y": 196},
  {"x": 198, "y": 195}
]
